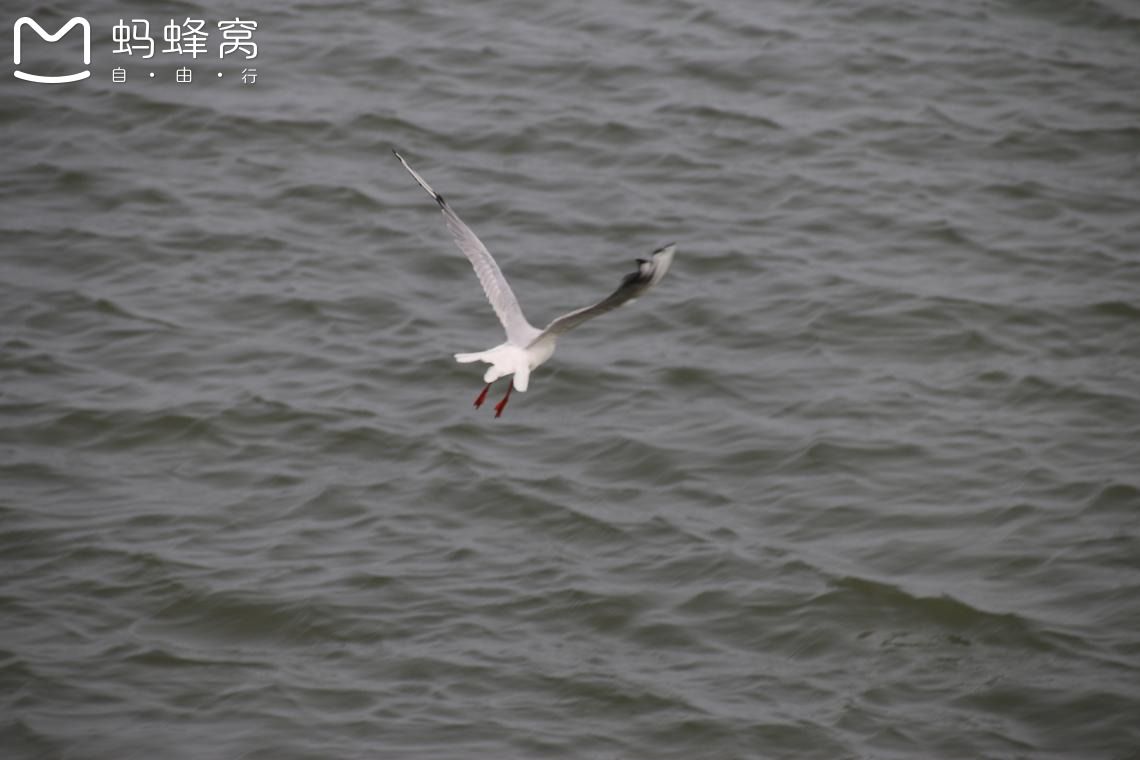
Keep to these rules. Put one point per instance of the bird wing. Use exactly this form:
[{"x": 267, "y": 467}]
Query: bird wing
[
  {"x": 495, "y": 285},
  {"x": 649, "y": 273}
]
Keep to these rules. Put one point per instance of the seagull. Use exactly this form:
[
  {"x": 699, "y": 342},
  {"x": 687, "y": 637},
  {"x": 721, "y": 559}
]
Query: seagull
[{"x": 526, "y": 346}]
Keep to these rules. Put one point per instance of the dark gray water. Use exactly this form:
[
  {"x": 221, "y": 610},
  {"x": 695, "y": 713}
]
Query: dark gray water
[{"x": 858, "y": 480}]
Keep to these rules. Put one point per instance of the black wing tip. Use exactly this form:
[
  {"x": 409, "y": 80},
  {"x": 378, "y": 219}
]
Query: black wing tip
[
  {"x": 662, "y": 249},
  {"x": 438, "y": 198}
]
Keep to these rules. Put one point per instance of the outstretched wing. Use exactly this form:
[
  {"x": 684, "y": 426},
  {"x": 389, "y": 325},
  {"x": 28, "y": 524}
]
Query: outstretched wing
[
  {"x": 499, "y": 293},
  {"x": 649, "y": 273}
]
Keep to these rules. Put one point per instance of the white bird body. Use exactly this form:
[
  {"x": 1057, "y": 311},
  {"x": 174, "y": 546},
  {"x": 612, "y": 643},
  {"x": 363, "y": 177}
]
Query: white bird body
[
  {"x": 509, "y": 359},
  {"x": 528, "y": 347}
]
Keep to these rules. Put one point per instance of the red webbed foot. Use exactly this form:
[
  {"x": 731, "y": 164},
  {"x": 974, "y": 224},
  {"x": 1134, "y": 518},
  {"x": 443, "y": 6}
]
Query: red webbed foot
[
  {"x": 482, "y": 396},
  {"x": 499, "y": 407}
]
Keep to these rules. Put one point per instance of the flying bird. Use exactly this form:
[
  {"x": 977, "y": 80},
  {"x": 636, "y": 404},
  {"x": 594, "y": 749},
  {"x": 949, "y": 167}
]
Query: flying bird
[{"x": 526, "y": 346}]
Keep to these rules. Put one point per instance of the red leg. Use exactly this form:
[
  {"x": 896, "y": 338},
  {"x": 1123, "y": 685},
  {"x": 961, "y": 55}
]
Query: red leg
[
  {"x": 482, "y": 396},
  {"x": 499, "y": 407}
]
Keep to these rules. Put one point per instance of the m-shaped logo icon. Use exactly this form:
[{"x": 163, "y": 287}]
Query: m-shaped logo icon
[{"x": 16, "y": 51}]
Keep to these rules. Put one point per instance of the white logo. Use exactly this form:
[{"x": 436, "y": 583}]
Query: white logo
[{"x": 77, "y": 21}]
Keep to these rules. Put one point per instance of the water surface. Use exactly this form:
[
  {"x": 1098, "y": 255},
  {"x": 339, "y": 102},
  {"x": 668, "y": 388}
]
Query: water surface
[{"x": 858, "y": 480}]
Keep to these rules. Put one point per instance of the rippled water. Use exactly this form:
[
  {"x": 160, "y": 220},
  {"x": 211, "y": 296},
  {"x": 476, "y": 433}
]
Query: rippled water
[{"x": 858, "y": 480}]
